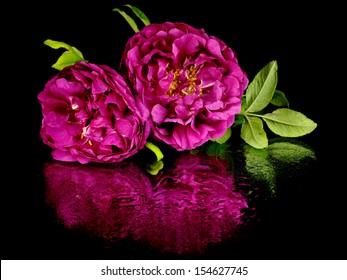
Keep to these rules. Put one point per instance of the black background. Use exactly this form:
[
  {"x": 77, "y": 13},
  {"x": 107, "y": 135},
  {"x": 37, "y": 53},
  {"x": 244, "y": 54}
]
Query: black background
[{"x": 303, "y": 40}]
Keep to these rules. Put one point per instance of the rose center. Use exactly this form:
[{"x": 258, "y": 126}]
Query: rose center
[{"x": 184, "y": 81}]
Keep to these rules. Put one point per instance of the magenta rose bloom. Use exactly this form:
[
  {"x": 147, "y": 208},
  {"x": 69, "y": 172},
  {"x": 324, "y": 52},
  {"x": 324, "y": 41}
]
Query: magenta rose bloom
[
  {"x": 91, "y": 115},
  {"x": 191, "y": 82}
]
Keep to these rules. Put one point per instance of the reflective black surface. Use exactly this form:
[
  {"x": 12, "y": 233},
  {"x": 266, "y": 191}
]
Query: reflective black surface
[
  {"x": 69, "y": 211},
  {"x": 296, "y": 206}
]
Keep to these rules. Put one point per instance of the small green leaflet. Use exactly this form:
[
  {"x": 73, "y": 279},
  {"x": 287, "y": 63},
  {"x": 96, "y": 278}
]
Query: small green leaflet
[
  {"x": 224, "y": 137},
  {"x": 130, "y": 20},
  {"x": 253, "y": 133},
  {"x": 289, "y": 123},
  {"x": 260, "y": 91},
  {"x": 68, "y": 58},
  {"x": 139, "y": 14},
  {"x": 279, "y": 99}
]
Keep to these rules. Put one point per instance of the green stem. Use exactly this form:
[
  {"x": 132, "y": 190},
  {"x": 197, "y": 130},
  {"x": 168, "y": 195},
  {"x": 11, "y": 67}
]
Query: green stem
[{"x": 251, "y": 114}]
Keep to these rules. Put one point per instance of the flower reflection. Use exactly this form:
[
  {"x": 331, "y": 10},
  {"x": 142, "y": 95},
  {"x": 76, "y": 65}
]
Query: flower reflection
[
  {"x": 191, "y": 205},
  {"x": 195, "y": 204},
  {"x": 105, "y": 201}
]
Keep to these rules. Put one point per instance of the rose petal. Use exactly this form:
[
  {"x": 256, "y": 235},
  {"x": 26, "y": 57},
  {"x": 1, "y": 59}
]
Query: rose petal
[
  {"x": 124, "y": 128},
  {"x": 158, "y": 113}
]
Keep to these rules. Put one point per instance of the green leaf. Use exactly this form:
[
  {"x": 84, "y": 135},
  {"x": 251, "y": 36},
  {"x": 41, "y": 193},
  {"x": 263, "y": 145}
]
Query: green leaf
[
  {"x": 290, "y": 152},
  {"x": 252, "y": 132},
  {"x": 289, "y": 123},
  {"x": 279, "y": 99},
  {"x": 139, "y": 14},
  {"x": 243, "y": 104},
  {"x": 131, "y": 22},
  {"x": 57, "y": 44},
  {"x": 260, "y": 91},
  {"x": 225, "y": 137},
  {"x": 238, "y": 120},
  {"x": 69, "y": 57}
]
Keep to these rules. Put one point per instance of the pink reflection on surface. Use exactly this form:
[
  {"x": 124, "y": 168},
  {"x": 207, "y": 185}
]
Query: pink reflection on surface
[
  {"x": 189, "y": 206},
  {"x": 106, "y": 201},
  {"x": 195, "y": 203}
]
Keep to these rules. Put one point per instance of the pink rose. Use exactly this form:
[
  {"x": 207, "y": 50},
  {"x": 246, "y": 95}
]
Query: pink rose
[
  {"x": 91, "y": 115},
  {"x": 190, "y": 82}
]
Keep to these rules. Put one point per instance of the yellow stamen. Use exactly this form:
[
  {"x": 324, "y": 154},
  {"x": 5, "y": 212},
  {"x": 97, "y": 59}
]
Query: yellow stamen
[{"x": 190, "y": 81}]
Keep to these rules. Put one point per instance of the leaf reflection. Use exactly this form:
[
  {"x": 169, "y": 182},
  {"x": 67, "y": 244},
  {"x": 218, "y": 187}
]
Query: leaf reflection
[{"x": 264, "y": 165}]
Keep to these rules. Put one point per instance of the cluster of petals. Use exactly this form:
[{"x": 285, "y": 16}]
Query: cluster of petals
[
  {"x": 91, "y": 115},
  {"x": 190, "y": 82}
]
